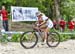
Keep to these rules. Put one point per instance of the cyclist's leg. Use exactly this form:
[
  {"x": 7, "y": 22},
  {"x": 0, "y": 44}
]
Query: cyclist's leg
[
  {"x": 44, "y": 37},
  {"x": 45, "y": 34}
]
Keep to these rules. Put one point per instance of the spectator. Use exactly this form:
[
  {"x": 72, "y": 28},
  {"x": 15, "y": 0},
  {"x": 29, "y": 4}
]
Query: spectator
[
  {"x": 4, "y": 14},
  {"x": 74, "y": 25},
  {"x": 71, "y": 25},
  {"x": 62, "y": 24}
]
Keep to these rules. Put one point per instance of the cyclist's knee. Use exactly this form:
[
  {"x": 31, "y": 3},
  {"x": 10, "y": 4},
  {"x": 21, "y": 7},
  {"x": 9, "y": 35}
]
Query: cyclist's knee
[{"x": 47, "y": 29}]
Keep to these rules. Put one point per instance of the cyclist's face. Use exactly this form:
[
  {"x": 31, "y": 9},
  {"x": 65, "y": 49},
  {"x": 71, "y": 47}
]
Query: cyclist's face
[{"x": 40, "y": 16}]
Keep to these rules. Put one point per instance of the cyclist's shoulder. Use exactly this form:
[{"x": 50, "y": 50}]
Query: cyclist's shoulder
[{"x": 44, "y": 17}]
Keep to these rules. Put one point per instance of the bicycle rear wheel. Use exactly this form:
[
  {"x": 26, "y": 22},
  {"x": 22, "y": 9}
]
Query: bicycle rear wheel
[
  {"x": 53, "y": 39},
  {"x": 28, "y": 39}
]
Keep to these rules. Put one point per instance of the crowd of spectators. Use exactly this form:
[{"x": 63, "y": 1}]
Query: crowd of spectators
[{"x": 62, "y": 24}]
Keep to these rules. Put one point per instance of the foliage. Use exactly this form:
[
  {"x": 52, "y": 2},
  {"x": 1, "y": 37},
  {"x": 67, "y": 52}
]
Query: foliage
[
  {"x": 64, "y": 37},
  {"x": 4, "y": 38},
  {"x": 67, "y": 7},
  {"x": 15, "y": 38}
]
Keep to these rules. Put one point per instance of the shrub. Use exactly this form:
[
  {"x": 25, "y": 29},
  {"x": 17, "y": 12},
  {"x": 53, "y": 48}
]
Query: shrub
[
  {"x": 4, "y": 38},
  {"x": 64, "y": 37},
  {"x": 15, "y": 38}
]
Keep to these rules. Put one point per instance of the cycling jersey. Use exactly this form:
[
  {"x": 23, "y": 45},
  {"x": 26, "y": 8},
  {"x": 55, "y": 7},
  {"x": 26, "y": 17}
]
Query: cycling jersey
[{"x": 49, "y": 23}]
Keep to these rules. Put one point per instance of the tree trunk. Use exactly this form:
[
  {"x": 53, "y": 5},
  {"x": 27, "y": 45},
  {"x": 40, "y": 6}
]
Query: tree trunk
[
  {"x": 56, "y": 12},
  {"x": 56, "y": 9}
]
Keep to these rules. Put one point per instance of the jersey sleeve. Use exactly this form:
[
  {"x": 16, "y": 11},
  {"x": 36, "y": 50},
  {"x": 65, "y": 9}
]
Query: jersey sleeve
[{"x": 44, "y": 18}]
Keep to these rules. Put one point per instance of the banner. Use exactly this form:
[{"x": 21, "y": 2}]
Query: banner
[{"x": 23, "y": 13}]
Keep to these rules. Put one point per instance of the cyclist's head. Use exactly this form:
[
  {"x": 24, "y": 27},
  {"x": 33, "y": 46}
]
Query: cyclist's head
[{"x": 38, "y": 14}]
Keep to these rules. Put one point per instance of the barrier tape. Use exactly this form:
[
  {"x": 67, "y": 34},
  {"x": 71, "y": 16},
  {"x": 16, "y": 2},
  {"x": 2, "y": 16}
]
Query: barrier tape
[{"x": 13, "y": 32}]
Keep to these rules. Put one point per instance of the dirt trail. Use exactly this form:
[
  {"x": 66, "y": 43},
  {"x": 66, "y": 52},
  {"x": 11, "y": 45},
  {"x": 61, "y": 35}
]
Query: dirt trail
[{"x": 67, "y": 47}]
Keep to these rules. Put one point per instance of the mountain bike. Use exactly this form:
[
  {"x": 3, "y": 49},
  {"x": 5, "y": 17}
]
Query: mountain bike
[{"x": 29, "y": 39}]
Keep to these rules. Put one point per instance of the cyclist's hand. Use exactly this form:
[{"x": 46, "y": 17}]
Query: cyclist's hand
[{"x": 39, "y": 25}]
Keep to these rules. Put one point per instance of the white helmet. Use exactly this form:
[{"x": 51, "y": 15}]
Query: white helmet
[{"x": 38, "y": 13}]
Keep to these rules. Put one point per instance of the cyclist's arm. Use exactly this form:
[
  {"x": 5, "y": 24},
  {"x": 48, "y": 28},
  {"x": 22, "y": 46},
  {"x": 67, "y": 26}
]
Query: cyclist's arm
[
  {"x": 36, "y": 23},
  {"x": 43, "y": 22}
]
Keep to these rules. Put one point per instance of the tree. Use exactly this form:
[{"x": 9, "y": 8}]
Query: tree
[
  {"x": 68, "y": 9},
  {"x": 52, "y": 8},
  {"x": 56, "y": 9}
]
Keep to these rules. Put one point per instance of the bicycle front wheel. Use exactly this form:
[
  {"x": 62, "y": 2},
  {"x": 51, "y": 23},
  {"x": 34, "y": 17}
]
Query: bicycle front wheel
[
  {"x": 28, "y": 39},
  {"x": 53, "y": 39}
]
